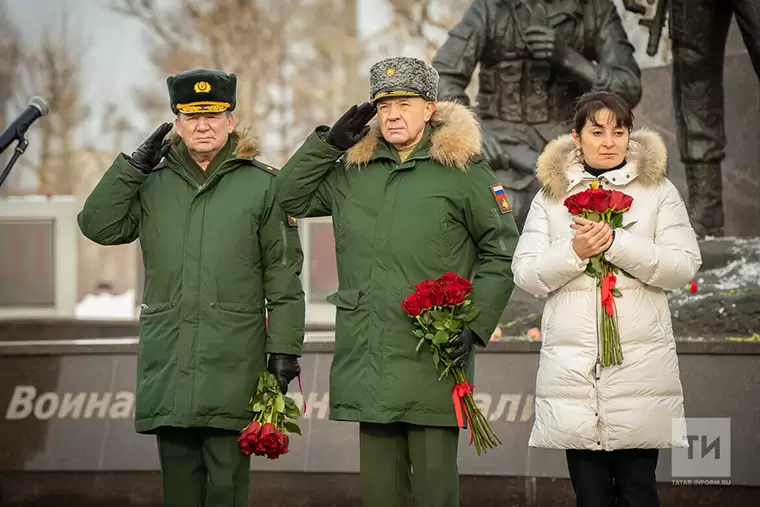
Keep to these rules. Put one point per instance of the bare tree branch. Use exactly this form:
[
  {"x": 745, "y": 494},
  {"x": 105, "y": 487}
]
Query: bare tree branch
[
  {"x": 296, "y": 60},
  {"x": 419, "y": 21},
  {"x": 10, "y": 59},
  {"x": 54, "y": 70}
]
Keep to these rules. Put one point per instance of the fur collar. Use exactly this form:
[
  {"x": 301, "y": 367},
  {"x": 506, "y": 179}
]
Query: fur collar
[
  {"x": 454, "y": 141},
  {"x": 647, "y": 155},
  {"x": 247, "y": 144}
]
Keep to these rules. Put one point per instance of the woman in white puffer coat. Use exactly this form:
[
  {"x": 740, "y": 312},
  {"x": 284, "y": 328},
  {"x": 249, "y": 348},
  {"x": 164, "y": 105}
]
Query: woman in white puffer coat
[{"x": 610, "y": 420}]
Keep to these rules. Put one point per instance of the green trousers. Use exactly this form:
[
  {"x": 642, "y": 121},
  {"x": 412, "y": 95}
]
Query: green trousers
[
  {"x": 203, "y": 467},
  {"x": 403, "y": 465}
]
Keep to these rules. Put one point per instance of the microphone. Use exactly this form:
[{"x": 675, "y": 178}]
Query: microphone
[{"x": 16, "y": 130}]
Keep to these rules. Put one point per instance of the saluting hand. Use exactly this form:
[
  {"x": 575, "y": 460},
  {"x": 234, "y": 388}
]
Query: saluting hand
[
  {"x": 350, "y": 128},
  {"x": 147, "y": 156},
  {"x": 591, "y": 238}
]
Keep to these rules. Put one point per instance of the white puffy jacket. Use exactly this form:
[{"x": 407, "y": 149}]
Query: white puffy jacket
[{"x": 638, "y": 404}]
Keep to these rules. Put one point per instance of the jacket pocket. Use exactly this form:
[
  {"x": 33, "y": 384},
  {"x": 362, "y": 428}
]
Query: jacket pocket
[
  {"x": 236, "y": 308},
  {"x": 157, "y": 359},
  {"x": 346, "y": 299},
  {"x": 229, "y": 354},
  {"x": 156, "y": 308}
]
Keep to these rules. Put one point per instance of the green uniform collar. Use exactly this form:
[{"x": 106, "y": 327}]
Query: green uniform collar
[
  {"x": 192, "y": 167},
  {"x": 420, "y": 152}
]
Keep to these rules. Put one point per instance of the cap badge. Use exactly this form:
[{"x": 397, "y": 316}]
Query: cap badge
[{"x": 202, "y": 87}]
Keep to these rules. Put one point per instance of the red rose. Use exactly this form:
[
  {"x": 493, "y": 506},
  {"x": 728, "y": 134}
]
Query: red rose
[
  {"x": 412, "y": 305},
  {"x": 456, "y": 296},
  {"x": 248, "y": 439},
  {"x": 424, "y": 291},
  {"x": 247, "y": 446},
  {"x": 449, "y": 277},
  {"x": 576, "y": 203},
  {"x": 279, "y": 446},
  {"x": 261, "y": 448},
  {"x": 620, "y": 202},
  {"x": 268, "y": 439},
  {"x": 572, "y": 205},
  {"x": 284, "y": 443},
  {"x": 455, "y": 288},
  {"x": 438, "y": 294},
  {"x": 599, "y": 199}
]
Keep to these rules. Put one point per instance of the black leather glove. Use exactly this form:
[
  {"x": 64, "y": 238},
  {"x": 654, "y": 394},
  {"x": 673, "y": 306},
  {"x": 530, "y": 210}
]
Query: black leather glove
[
  {"x": 350, "y": 128},
  {"x": 285, "y": 368},
  {"x": 147, "y": 156},
  {"x": 461, "y": 347}
]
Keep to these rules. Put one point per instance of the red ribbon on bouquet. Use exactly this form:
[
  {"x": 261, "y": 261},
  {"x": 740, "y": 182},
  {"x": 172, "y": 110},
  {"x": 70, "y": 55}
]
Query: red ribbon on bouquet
[
  {"x": 608, "y": 299},
  {"x": 461, "y": 390},
  {"x": 302, "y": 396}
]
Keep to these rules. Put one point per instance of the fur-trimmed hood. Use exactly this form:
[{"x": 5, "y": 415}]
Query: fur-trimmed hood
[
  {"x": 248, "y": 145},
  {"x": 559, "y": 167},
  {"x": 454, "y": 141}
]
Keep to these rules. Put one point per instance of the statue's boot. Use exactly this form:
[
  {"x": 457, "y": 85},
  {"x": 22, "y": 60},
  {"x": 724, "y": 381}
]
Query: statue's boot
[{"x": 705, "y": 198}]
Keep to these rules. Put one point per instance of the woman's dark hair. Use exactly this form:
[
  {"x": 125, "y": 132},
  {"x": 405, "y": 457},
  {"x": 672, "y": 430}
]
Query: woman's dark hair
[{"x": 589, "y": 104}]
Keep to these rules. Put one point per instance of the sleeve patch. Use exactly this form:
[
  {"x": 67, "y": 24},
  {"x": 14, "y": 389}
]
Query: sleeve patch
[
  {"x": 501, "y": 198},
  {"x": 292, "y": 221}
]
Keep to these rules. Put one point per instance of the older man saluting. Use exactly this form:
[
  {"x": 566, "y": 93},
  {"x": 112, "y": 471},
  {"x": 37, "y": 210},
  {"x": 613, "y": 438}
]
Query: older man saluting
[
  {"x": 411, "y": 199},
  {"x": 218, "y": 252}
]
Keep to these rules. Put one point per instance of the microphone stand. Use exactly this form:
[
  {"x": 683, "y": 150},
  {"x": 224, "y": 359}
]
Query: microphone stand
[{"x": 20, "y": 149}]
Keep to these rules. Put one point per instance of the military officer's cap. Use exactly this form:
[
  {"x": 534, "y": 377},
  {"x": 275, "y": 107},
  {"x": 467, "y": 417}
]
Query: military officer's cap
[
  {"x": 402, "y": 76},
  {"x": 202, "y": 91}
]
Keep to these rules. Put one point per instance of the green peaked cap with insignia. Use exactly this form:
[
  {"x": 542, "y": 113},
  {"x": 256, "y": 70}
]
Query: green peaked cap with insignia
[{"x": 202, "y": 91}]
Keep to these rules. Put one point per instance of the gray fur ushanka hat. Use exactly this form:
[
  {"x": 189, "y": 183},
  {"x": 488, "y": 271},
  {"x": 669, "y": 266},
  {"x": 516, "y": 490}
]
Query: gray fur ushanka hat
[{"x": 403, "y": 76}]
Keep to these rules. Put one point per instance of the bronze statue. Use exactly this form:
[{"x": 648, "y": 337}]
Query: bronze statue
[
  {"x": 536, "y": 58},
  {"x": 699, "y": 30}
]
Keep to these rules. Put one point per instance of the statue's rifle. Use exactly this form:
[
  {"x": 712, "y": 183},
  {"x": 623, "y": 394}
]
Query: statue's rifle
[{"x": 655, "y": 25}]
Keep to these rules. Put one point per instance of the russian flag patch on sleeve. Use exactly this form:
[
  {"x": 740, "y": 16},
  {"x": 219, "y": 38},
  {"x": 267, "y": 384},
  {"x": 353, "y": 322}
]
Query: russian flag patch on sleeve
[{"x": 501, "y": 198}]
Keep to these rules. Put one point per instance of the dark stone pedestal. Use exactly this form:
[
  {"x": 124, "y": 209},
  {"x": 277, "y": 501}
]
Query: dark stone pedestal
[{"x": 328, "y": 490}]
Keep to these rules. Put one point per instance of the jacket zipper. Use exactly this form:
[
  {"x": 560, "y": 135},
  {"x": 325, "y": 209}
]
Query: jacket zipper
[{"x": 598, "y": 369}]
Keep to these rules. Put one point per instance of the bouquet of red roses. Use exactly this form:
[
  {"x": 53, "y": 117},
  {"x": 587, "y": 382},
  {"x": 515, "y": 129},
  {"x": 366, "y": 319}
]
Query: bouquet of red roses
[
  {"x": 441, "y": 311},
  {"x": 598, "y": 204},
  {"x": 273, "y": 415}
]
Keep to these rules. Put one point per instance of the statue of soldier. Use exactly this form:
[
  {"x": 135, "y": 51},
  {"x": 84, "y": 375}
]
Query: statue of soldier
[
  {"x": 536, "y": 58},
  {"x": 699, "y": 31}
]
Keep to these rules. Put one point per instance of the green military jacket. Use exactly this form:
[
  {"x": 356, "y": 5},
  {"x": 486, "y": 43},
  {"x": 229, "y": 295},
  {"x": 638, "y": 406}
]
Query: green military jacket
[
  {"x": 218, "y": 252},
  {"x": 396, "y": 224}
]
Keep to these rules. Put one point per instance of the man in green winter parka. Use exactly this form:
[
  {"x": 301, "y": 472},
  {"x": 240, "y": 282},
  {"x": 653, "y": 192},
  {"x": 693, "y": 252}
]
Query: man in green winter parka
[
  {"x": 410, "y": 199},
  {"x": 219, "y": 254}
]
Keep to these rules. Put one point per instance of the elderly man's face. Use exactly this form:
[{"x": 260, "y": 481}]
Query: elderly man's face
[
  {"x": 402, "y": 120},
  {"x": 205, "y": 133}
]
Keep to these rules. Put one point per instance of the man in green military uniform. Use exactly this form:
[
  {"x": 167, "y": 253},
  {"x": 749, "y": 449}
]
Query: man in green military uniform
[
  {"x": 219, "y": 254},
  {"x": 410, "y": 200}
]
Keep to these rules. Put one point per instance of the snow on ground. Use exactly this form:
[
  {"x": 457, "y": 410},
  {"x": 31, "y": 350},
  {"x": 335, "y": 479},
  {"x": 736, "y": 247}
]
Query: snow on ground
[{"x": 107, "y": 306}]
